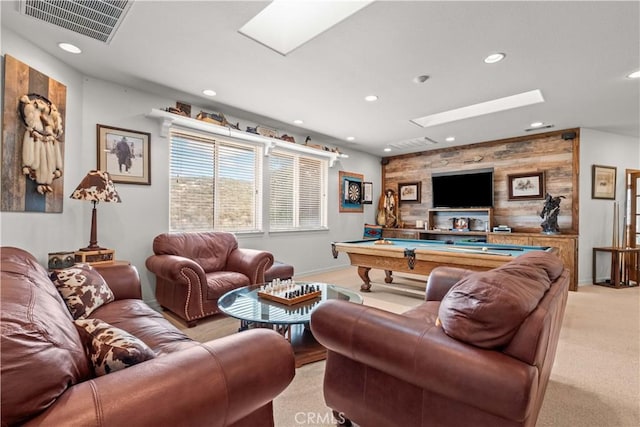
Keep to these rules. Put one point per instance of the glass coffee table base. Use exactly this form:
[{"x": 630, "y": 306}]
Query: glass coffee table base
[{"x": 305, "y": 347}]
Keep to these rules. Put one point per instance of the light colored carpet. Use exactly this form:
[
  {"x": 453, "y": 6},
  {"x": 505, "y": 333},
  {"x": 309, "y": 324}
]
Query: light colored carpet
[{"x": 595, "y": 380}]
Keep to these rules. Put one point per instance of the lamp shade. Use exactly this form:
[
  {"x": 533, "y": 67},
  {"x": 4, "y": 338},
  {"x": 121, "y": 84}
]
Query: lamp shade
[{"x": 96, "y": 186}]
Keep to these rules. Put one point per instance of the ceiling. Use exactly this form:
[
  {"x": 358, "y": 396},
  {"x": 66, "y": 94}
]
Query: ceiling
[{"x": 577, "y": 54}]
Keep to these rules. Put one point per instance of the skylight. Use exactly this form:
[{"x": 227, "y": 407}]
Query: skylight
[{"x": 284, "y": 25}]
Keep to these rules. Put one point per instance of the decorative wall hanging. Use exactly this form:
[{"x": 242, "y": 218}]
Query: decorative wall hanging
[
  {"x": 124, "y": 154},
  {"x": 32, "y": 140},
  {"x": 350, "y": 192},
  {"x": 526, "y": 186},
  {"x": 603, "y": 182}
]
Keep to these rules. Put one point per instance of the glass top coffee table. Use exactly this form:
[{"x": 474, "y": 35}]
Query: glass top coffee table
[{"x": 291, "y": 321}]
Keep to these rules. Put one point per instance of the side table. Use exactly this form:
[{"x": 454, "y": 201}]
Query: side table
[{"x": 623, "y": 262}]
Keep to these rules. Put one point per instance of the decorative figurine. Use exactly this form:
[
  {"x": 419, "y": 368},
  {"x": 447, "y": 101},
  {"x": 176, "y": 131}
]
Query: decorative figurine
[
  {"x": 550, "y": 213},
  {"x": 388, "y": 209}
]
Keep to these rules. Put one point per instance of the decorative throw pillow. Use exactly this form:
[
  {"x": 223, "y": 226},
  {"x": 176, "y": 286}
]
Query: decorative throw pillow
[
  {"x": 109, "y": 348},
  {"x": 82, "y": 288}
]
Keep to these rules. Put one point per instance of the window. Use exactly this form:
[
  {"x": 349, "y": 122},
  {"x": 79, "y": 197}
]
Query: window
[
  {"x": 297, "y": 186},
  {"x": 215, "y": 184}
]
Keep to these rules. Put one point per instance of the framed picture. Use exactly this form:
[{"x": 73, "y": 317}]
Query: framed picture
[
  {"x": 350, "y": 188},
  {"x": 603, "y": 182},
  {"x": 526, "y": 186},
  {"x": 124, "y": 154},
  {"x": 367, "y": 193},
  {"x": 409, "y": 192}
]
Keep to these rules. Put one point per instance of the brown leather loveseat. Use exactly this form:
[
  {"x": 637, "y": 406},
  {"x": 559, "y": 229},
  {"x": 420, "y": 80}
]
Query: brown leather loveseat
[
  {"x": 478, "y": 352},
  {"x": 58, "y": 368},
  {"x": 193, "y": 270}
]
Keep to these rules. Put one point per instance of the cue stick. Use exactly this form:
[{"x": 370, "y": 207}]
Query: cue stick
[{"x": 477, "y": 251}]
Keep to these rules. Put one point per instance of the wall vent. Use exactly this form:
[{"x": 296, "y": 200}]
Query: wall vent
[
  {"x": 98, "y": 19},
  {"x": 414, "y": 143}
]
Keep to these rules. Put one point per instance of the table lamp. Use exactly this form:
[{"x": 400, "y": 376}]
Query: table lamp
[{"x": 95, "y": 187}]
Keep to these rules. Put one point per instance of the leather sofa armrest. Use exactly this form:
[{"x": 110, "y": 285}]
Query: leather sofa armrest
[
  {"x": 423, "y": 355},
  {"x": 123, "y": 280},
  {"x": 214, "y": 384},
  {"x": 171, "y": 267},
  {"x": 250, "y": 262},
  {"x": 441, "y": 279}
]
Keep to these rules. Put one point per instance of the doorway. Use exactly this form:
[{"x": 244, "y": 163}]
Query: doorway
[{"x": 632, "y": 218}]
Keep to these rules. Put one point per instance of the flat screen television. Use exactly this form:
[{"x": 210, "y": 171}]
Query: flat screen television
[{"x": 463, "y": 189}]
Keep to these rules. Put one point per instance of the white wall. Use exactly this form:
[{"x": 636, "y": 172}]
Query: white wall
[
  {"x": 129, "y": 227},
  {"x": 596, "y": 215}
]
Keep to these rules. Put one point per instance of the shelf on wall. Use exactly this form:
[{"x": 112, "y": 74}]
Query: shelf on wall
[{"x": 169, "y": 119}]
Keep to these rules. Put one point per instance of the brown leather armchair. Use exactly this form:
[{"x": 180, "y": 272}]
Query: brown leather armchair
[
  {"x": 193, "y": 270},
  {"x": 478, "y": 351}
]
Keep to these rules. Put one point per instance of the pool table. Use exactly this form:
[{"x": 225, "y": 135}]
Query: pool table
[{"x": 422, "y": 256}]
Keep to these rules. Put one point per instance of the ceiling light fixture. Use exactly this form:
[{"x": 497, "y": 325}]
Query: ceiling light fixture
[
  {"x": 371, "y": 98},
  {"x": 450, "y": 138},
  {"x": 634, "y": 75},
  {"x": 494, "y": 57},
  {"x": 209, "y": 92},
  {"x": 351, "y": 138},
  {"x": 536, "y": 124},
  {"x": 387, "y": 149},
  {"x": 68, "y": 47},
  {"x": 298, "y": 122},
  {"x": 493, "y": 106},
  {"x": 286, "y": 25}
]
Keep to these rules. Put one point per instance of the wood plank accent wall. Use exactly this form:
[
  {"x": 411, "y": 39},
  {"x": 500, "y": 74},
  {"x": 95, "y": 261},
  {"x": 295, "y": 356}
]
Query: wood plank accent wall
[{"x": 548, "y": 152}]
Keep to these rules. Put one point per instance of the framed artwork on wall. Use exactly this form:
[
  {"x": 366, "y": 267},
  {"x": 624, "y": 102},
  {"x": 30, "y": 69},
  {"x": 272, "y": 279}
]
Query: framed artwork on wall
[
  {"x": 350, "y": 191},
  {"x": 603, "y": 182},
  {"x": 124, "y": 154},
  {"x": 409, "y": 192},
  {"x": 526, "y": 186}
]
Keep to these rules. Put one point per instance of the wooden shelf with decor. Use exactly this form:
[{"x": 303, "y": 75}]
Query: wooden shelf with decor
[{"x": 567, "y": 245}]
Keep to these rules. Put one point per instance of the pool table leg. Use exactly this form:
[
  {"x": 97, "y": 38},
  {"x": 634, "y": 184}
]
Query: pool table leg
[
  {"x": 388, "y": 276},
  {"x": 363, "y": 272}
]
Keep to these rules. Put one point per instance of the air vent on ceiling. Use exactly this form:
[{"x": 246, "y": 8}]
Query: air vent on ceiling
[
  {"x": 423, "y": 141},
  {"x": 98, "y": 19}
]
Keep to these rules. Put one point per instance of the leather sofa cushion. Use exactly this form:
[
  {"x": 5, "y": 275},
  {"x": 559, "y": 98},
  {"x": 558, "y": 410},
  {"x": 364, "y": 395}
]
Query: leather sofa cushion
[
  {"x": 82, "y": 288},
  {"x": 486, "y": 309},
  {"x": 111, "y": 349},
  {"x": 42, "y": 354}
]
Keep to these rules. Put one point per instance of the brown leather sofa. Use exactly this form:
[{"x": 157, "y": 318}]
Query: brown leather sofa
[
  {"x": 47, "y": 377},
  {"x": 478, "y": 352},
  {"x": 193, "y": 270}
]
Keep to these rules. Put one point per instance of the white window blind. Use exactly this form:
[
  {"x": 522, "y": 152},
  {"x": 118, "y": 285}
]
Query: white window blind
[
  {"x": 215, "y": 184},
  {"x": 297, "y": 186}
]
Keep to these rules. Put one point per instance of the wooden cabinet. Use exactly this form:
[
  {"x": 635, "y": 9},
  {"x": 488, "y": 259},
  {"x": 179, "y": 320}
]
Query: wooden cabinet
[{"x": 567, "y": 245}]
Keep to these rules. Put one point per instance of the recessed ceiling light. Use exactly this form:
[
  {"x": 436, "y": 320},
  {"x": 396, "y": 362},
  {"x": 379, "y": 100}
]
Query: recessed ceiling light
[
  {"x": 536, "y": 124},
  {"x": 371, "y": 98},
  {"x": 68, "y": 47},
  {"x": 494, "y": 57},
  {"x": 387, "y": 149},
  {"x": 209, "y": 92},
  {"x": 475, "y": 110},
  {"x": 298, "y": 122},
  {"x": 450, "y": 138},
  {"x": 351, "y": 138},
  {"x": 634, "y": 75}
]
